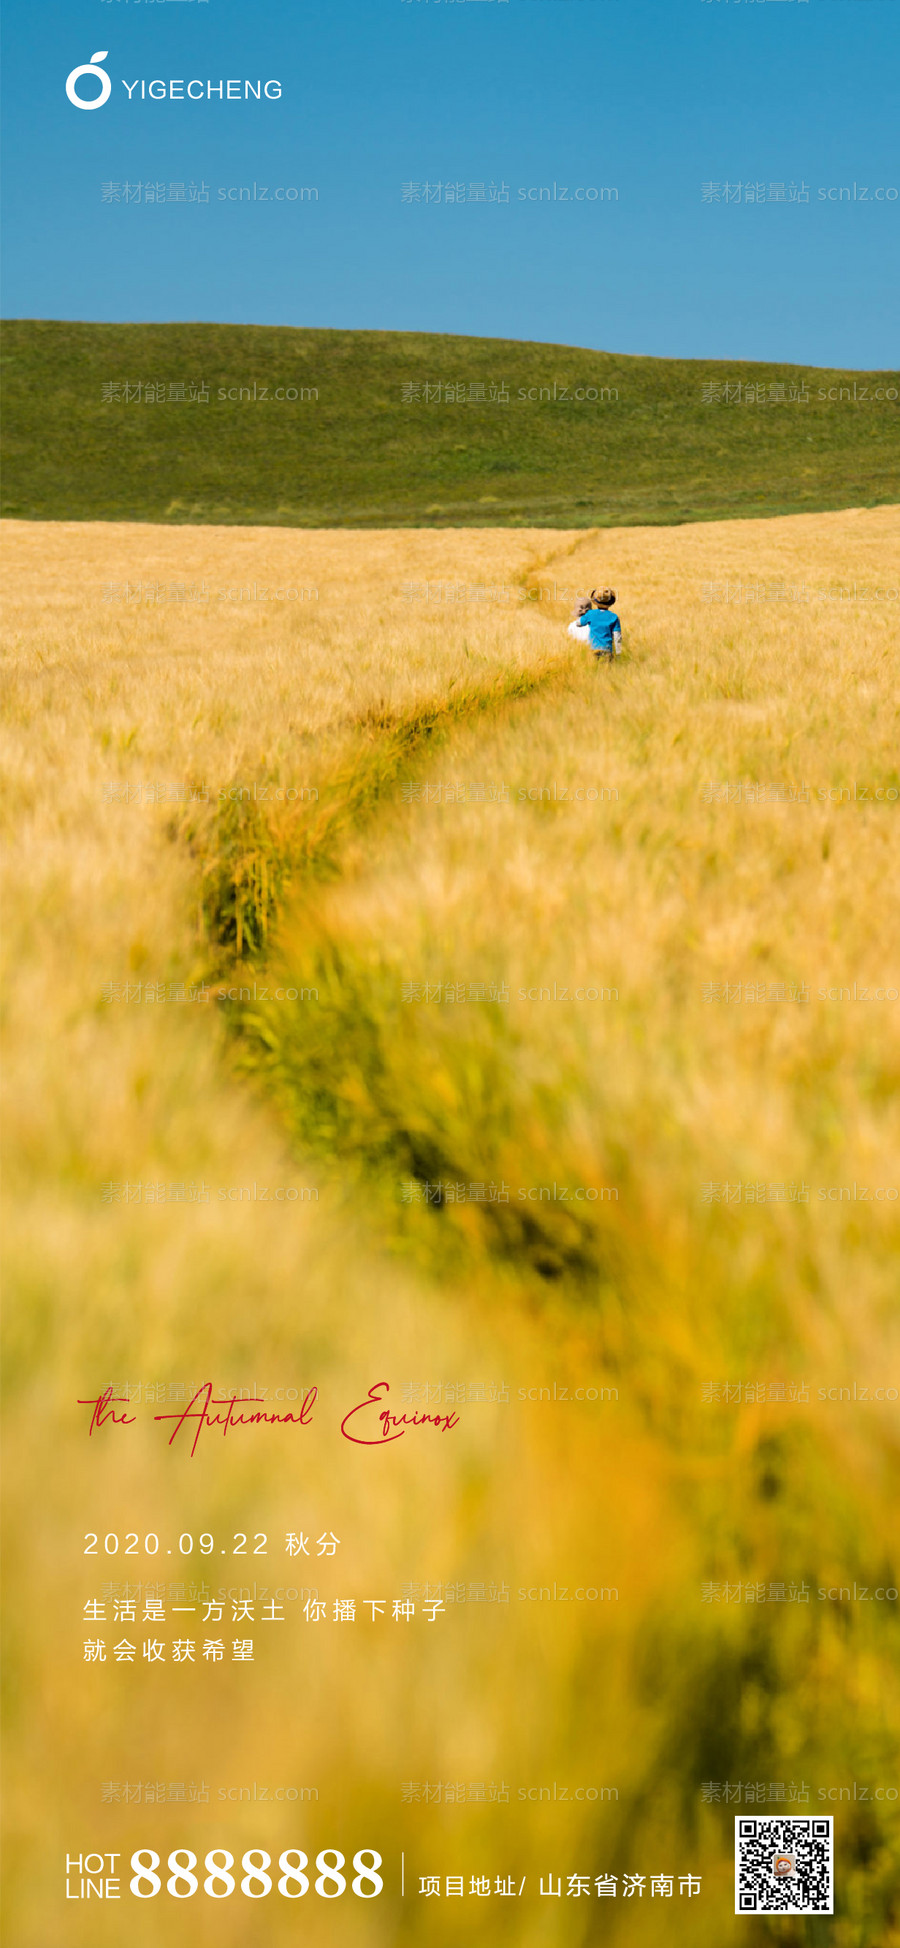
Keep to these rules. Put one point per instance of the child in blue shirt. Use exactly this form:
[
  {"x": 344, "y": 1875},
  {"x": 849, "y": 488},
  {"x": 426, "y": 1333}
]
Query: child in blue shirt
[{"x": 597, "y": 623}]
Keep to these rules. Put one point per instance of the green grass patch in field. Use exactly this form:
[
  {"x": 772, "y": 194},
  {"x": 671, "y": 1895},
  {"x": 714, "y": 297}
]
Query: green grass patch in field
[
  {"x": 398, "y": 429},
  {"x": 252, "y": 855}
]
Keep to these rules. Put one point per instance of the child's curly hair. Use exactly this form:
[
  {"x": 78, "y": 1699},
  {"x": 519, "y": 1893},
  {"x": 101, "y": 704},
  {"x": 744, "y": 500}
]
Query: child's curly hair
[{"x": 601, "y": 598}]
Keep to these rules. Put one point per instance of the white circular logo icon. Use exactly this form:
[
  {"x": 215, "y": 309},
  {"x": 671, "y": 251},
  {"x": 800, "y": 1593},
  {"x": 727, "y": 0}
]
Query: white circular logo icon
[{"x": 90, "y": 67}]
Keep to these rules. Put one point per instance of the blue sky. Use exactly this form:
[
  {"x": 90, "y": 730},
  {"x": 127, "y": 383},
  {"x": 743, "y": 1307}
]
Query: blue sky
[{"x": 652, "y": 99}]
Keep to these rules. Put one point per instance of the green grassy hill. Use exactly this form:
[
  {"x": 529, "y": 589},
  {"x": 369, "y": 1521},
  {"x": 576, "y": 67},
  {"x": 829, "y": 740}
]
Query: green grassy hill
[{"x": 409, "y": 429}]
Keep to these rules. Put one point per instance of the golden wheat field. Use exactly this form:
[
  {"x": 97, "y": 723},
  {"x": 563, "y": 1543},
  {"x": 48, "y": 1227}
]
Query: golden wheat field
[{"x": 565, "y": 1003}]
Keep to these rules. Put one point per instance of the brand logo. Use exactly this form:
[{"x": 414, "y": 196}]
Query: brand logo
[
  {"x": 90, "y": 67},
  {"x": 171, "y": 90}
]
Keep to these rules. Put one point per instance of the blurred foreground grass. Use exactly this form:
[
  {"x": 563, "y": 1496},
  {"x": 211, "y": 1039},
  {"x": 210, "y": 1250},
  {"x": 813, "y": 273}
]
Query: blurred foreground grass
[{"x": 366, "y": 1092}]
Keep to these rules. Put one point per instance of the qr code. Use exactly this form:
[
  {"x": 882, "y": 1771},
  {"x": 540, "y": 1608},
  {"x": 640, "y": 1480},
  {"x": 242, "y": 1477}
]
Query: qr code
[{"x": 783, "y": 1866}]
